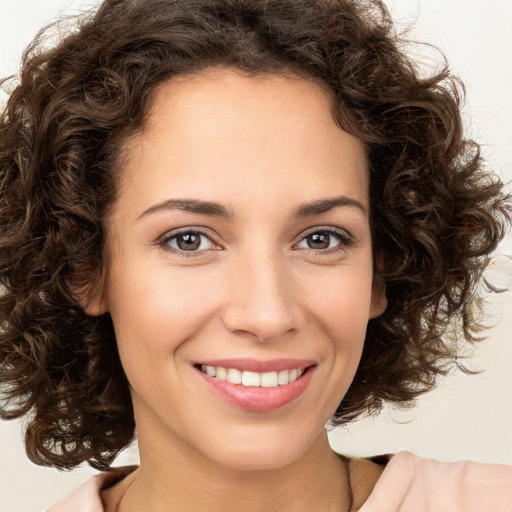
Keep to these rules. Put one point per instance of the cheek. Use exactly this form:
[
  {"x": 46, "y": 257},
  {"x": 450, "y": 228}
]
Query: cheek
[
  {"x": 156, "y": 310},
  {"x": 153, "y": 316},
  {"x": 340, "y": 311},
  {"x": 341, "y": 300}
]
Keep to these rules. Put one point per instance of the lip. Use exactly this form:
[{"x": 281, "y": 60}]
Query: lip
[
  {"x": 254, "y": 365},
  {"x": 254, "y": 398}
]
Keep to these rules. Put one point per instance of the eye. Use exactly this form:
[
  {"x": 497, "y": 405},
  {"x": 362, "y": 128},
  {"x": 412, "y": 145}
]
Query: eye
[
  {"x": 188, "y": 241},
  {"x": 325, "y": 239}
]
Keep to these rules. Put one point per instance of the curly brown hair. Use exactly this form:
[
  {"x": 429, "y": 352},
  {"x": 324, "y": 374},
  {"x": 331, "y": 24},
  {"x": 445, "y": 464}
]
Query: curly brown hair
[{"x": 437, "y": 213}]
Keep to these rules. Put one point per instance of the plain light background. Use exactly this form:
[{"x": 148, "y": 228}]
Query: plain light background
[{"x": 466, "y": 417}]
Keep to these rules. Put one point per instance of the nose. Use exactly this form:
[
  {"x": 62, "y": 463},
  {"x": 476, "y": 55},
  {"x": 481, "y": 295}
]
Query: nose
[{"x": 261, "y": 299}]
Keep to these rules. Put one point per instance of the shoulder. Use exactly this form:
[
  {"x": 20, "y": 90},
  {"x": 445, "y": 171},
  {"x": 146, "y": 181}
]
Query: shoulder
[
  {"x": 364, "y": 474},
  {"x": 412, "y": 483},
  {"x": 88, "y": 497}
]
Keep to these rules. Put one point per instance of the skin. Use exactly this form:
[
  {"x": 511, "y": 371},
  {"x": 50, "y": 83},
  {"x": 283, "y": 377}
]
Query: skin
[{"x": 260, "y": 147}]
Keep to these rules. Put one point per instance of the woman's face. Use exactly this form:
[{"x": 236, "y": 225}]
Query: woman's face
[{"x": 240, "y": 241}]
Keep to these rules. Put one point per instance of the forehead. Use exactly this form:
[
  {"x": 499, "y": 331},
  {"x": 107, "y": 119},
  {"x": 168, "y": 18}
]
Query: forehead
[
  {"x": 241, "y": 88},
  {"x": 224, "y": 130}
]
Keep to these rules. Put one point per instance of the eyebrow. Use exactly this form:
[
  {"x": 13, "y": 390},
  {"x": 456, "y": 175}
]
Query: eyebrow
[
  {"x": 190, "y": 205},
  {"x": 324, "y": 205},
  {"x": 215, "y": 209}
]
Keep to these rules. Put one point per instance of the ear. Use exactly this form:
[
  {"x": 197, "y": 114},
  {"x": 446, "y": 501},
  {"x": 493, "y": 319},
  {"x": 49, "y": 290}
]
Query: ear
[
  {"x": 95, "y": 303},
  {"x": 89, "y": 290},
  {"x": 379, "y": 301}
]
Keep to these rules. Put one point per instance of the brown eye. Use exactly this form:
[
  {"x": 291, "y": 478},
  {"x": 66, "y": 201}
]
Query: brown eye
[
  {"x": 323, "y": 239},
  {"x": 188, "y": 241},
  {"x": 318, "y": 240}
]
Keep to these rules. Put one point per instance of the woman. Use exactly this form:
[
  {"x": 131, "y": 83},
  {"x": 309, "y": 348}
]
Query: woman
[{"x": 225, "y": 223}]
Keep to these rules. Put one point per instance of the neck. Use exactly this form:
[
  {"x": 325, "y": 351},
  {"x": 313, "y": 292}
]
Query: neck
[{"x": 165, "y": 481}]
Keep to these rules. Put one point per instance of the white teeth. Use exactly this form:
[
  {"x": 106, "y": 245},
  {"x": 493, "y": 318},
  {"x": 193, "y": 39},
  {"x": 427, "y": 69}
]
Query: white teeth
[
  {"x": 283, "y": 377},
  {"x": 221, "y": 373},
  {"x": 269, "y": 380},
  {"x": 253, "y": 379},
  {"x": 234, "y": 376}
]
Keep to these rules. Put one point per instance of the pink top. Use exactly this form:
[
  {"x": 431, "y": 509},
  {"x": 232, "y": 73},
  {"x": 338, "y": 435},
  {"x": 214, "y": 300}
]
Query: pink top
[{"x": 409, "y": 483}]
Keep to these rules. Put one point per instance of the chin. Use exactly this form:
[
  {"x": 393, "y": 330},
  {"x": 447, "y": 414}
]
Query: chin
[{"x": 264, "y": 453}]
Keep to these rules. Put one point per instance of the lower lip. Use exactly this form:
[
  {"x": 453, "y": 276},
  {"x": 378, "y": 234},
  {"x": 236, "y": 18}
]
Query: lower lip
[{"x": 257, "y": 398}]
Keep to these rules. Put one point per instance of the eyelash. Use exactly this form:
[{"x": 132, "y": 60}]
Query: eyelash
[
  {"x": 345, "y": 240},
  {"x": 164, "y": 242}
]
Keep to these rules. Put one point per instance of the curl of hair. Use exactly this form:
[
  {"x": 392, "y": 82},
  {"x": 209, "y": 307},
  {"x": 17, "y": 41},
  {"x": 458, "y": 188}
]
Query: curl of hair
[{"x": 437, "y": 214}]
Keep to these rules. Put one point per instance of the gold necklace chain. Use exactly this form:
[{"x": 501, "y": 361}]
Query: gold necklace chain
[{"x": 348, "y": 480}]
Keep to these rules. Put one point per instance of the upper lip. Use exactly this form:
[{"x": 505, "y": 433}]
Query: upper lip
[{"x": 254, "y": 365}]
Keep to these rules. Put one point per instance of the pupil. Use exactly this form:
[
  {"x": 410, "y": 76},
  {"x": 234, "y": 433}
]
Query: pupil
[
  {"x": 189, "y": 241},
  {"x": 318, "y": 241}
]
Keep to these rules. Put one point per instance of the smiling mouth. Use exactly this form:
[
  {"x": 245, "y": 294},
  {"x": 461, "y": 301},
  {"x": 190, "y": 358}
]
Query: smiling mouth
[
  {"x": 258, "y": 391},
  {"x": 253, "y": 379}
]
